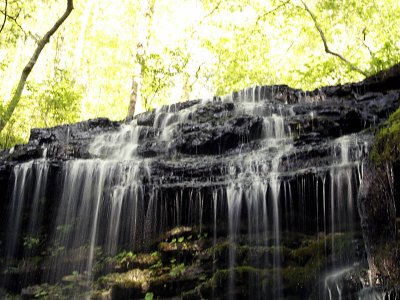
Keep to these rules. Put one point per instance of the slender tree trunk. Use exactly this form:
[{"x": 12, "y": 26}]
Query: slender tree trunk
[
  {"x": 188, "y": 85},
  {"x": 133, "y": 99},
  {"x": 5, "y": 16},
  {"x": 28, "y": 68},
  {"x": 135, "y": 90},
  {"x": 144, "y": 32},
  {"x": 187, "y": 88}
]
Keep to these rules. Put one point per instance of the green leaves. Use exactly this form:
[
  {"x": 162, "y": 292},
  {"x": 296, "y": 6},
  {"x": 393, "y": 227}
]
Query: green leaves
[
  {"x": 31, "y": 242},
  {"x": 282, "y": 45},
  {"x": 149, "y": 296},
  {"x": 159, "y": 71},
  {"x": 49, "y": 103},
  {"x": 58, "y": 100},
  {"x": 387, "y": 141},
  {"x": 224, "y": 46}
]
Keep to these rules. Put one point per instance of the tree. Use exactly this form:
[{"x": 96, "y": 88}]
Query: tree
[
  {"x": 280, "y": 41},
  {"x": 6, "y": 115},
  {"x": 326, "y": 47},
  {"x": 184, "y": 49},
  {"x": 56, "y": 100},
  {"x": 5, "y": 16},
  {"x": 144, "y": 30}
]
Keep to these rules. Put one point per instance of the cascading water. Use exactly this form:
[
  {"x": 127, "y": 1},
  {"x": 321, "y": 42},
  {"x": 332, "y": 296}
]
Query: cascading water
[
  {"x": 24, "y": 175},
  {"x": 276, "y": 142},
  {"x": 256, "y": 194}
]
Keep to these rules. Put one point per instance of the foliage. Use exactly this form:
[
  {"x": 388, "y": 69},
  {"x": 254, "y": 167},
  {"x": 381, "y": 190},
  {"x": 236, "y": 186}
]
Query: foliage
[
  {"x": 61, "y": 292},
  {"x": 57, "y": 99},
  {"x": 49, "y": 103},
  {"x": 177, "y": 269},
  {"x": 196, "y": 49},
  {"x": 279, "y": 39},
  {"x": 31, "y": 242},
  {"x": 125, "y": 258},
  {"x": 159, "y": 71},
  {"x": 13, "y": 102},
  {"x": 149, "y": 296},
  {"x": 18, "y": 12}
]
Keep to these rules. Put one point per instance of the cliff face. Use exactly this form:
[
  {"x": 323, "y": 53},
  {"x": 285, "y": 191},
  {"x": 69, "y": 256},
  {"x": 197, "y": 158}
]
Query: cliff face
[
  {"x": 378, "y": 201},
  {"x": 250, "y": 195}
]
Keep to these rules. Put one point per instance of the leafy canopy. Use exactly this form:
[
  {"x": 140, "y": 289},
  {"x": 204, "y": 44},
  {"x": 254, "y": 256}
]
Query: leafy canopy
[{"x": 196, "y": 49}]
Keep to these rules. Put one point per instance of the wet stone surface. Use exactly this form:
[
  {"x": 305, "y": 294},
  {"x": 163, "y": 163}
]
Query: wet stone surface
[{"x": 249, "y": 195}]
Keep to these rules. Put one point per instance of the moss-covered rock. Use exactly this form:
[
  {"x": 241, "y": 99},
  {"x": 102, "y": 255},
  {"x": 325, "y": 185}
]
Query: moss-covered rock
[
  {"x": 66, "y": 291},
  {"x": 387, "y": 141},
  {"x": 196, "y": 266}
]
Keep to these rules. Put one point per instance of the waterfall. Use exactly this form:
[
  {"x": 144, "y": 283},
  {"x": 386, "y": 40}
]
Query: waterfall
[
  {"x": 97, "y": 195},
  {"x": 21, "y": 174},
  {"x": 234, "y": 199},
  {"x": 29, "y": 183},
  {"x": 254, "y": 195}
]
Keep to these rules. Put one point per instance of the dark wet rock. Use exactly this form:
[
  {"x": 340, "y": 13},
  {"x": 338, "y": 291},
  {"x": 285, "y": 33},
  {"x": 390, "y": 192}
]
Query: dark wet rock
[
  {"x": 330, "y": 119},
  {"x": 148, "y": 118},
  {"x": 207, "y": 138},
  {"x": 61, "y": 142},
  {"x": 218, "y": 127},
  {"x": 215, "y": 112},
  {"x": 144, "y": 119},
  {"x": 31, "y": 292},
  {"x": 378, "y": 199},
  {"x": 379, "y": 293},
  {"x": 73, "y": 133},
  {"x": 384, "y": 80},
  {"x": 180, "y": 105},
  {"x": 202, "y": 152}
]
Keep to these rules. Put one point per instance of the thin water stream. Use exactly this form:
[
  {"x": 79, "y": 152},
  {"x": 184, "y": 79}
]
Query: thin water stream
[{"x": 116, "y": 200}]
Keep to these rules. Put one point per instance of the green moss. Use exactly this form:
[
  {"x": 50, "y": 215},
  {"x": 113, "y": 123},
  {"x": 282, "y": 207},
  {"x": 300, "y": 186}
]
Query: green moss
[
  {"x": 58, "y": 291},
  {"x": 295, "y": 276},
  {"x": 25, "y": 265},
  {"x": 125, "y": 261},
  {"x": 310, "y": 250},
  {"x": 5, "y": 295},
  {"x": 387, "y": 140},
  {"x": 177, "y": 270},
  {"x": 243, "y": 275},
  {"x": 133, "y": 279},
  {"x": 178, "y": 231},
  {"x": 304, "y": 260}
]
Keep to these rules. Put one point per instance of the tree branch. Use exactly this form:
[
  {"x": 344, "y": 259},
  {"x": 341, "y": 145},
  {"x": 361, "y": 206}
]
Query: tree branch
[
  {"x": 15, "y": 20},
  {"x": 196, "y": 75},
  {"x": 364, "y": 33},
  {"x": 28, "y": 68},
  {"x": 213, "y": 10},
  {"x": 259, "y": 18},
  {"x": 5, "y": 16},
  {"x": 327, "y": 50}
]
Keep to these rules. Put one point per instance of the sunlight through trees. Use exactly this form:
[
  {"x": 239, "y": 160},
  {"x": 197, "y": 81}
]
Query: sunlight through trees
[{"x": 182, "y": 50}]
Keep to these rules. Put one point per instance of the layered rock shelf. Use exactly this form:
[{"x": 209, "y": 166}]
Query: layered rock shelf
[{"x": 249, "y": 195}]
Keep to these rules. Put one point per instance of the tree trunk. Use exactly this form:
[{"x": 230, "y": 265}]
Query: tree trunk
[
  {"x": 28, "y": 68},
  {"x": 144, "y": 32},
  {"x": 133, "y": 99},
  {"x": 5, "y": 16}
]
